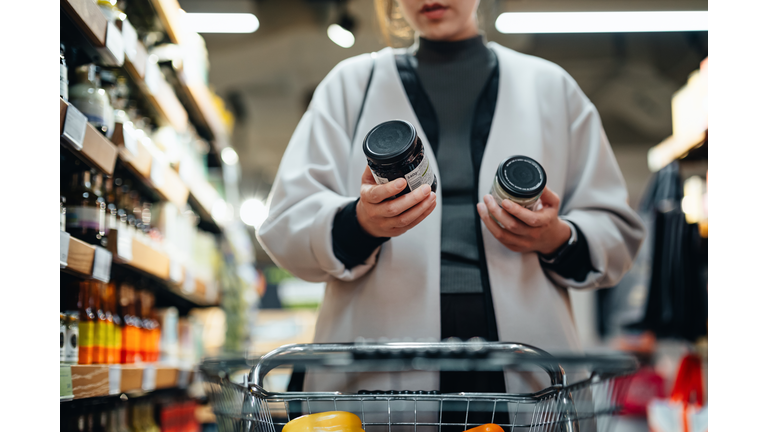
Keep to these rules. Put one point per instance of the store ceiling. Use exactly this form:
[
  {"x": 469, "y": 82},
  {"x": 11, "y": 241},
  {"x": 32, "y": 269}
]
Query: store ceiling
[{"x": 267, "y": 77}]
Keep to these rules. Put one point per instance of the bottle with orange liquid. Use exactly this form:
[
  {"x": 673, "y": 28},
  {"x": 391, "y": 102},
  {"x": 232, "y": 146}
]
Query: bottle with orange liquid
[
  {"x": 86, "y": 326},
  {"x": 102, "y": 325},
  {"x": 129, "y": 331},
  {"x": 108, "y": 305}
]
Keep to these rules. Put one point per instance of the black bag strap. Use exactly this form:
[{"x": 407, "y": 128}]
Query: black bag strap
[{"x": 365, "y": 95}]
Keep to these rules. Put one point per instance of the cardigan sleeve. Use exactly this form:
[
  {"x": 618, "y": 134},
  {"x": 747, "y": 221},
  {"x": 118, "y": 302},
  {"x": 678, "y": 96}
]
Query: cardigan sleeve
[
  {"x": 596, "y": 200},
  {"x": 309, "y": 189}
]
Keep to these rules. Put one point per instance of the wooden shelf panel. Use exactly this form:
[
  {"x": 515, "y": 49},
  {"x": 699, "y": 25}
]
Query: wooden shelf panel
[
  {"x": 169, "y": 13},
  {"x": 97, "y": 151},
  {"x": 91, "y": 381},
  {"x": 80, "y": 258},
  {"x": 89, "y": 18}
]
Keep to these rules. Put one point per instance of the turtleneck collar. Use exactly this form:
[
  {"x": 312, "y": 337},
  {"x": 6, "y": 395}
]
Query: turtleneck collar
[{"x": 429, "y": 51}]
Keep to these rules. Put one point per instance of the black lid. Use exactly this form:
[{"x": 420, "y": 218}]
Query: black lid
[
  {"x": 521, "y": 176},
  {"x": 390, "y": 141}
]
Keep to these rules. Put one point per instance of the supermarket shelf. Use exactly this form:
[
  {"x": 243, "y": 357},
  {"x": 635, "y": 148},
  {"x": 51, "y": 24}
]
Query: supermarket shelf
[
  {"x": 92, "y": 381},
  {"x": 202, "y": 110},
  {"x": 673, "y": 148},
  {"x": 84, "y": 140},
  {"x": 112, "y": 47},
  {"x": 80, "y": 258},
  {"x": 168, "y": 12},
  {"x": 202, "y": 197}
]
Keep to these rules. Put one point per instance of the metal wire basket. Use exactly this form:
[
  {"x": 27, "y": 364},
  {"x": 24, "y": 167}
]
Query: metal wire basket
[{"x": 587, "y": 405}]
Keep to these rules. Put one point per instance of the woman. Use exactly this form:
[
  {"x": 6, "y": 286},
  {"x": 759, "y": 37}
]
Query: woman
[{"x": 435, "y": 265}]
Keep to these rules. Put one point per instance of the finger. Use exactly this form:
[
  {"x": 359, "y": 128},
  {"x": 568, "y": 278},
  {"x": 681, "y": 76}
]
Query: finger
[
  {"x": 491, "y": 224},
  {"x": 378, "y": 193},
  {"x": 368, "y": 177},
  {"x": 509, "y": 222},
  {"x": 423, "y": 216},
  {"x": 530, "y": 218},
  {"x": 549, "y": 198},
  {"x": 511, "y": 241},
  {"x": 406, "y": 218},
  {"x": 399, "y": 205}
]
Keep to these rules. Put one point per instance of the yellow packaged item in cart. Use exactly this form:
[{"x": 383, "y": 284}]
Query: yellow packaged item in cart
[{"x": 331, "y": 421}]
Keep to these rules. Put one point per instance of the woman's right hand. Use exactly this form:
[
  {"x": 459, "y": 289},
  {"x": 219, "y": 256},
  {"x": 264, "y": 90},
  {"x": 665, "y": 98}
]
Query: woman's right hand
[{"x": 380, "y": 217}]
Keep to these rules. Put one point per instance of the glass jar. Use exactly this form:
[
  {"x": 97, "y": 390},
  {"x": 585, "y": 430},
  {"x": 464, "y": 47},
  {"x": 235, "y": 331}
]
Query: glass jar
[
  {"x": 521, "y": 180},
  {"x": 394, "y": 150},
  {"x": 71, "y": 350},
  {"x": 92, "y": 100}
]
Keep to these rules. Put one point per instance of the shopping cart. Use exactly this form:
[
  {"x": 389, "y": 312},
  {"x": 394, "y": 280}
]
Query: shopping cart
[{"x": 582, "y": 406}]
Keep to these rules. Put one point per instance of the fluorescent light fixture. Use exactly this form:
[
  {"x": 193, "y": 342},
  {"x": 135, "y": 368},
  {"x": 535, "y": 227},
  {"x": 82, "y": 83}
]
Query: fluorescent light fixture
[
  {"x": 253, "y": 212},
  {"x": 221, "y": 22},
  {"x": 341, "y": 36},
  {"x": 601, "y": 22},
  {"x": 229, "y": 156}
]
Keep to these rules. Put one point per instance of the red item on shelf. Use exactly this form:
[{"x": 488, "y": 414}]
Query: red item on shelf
[{"x": 643, "y": 387}]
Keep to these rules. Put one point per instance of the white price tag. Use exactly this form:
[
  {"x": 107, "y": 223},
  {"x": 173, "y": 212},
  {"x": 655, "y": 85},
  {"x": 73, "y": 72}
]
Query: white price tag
[
  {"x": 114, "y": 45},
  {"x": 182, "y": 378},
  {"x": 130, "y": 40},
  {"x": 102, "y": 264},
  {"x": 189, "y": 282},
  {"x": 63, "y": 248},
  {"x": 129, "y": 138},
  {"x": 124, "y": 243},
  {"x": 115, "y": 378},
  {"x": 157, "y": 173},
  {"x": 176, "y": 271},
  {"x": 149, "y": 378},
  {"x": 74, "y": 128},
  {"x": 152, "y": 75}
]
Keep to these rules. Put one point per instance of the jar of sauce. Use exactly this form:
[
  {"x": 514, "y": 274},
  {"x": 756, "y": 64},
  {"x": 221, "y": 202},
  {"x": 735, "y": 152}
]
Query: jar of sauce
[
  {"x": 521, "y": 180},
  {"x": 394, "y": 150}
]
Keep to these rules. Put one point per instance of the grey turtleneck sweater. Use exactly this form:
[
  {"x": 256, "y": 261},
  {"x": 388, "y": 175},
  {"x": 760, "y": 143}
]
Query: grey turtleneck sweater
[{"x": 453, "y": 75}]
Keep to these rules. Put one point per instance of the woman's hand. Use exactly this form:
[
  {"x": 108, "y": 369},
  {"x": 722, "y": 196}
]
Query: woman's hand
[
  {"x": 382, "y": 218},
  {"x": 525, "y": 230}
]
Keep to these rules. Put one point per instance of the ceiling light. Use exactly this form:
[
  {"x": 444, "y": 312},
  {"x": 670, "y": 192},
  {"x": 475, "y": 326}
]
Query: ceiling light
[
  {"x": 220, "y": 22},
  {"x": 601, "y": 22},
  {"x": 253, "y": 212},
  {"x": 341, "y": 36},
  {"x": 229, "y": 156}
]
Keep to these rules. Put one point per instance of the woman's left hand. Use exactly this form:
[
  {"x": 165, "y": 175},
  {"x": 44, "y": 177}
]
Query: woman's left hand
[{"x": 525, "y": 230}]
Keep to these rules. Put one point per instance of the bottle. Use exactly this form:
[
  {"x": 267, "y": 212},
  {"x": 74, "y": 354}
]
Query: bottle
[
  {"x": 85, "y": 214},
  {"x": 63, "y": 77},
  {"x": 128, "y": 316},
  {"x": 62, "y": 213},
  {"x": 102, "y": 326},
  {"x": 111, "y": 204},
  {"x": 394, "y": 150},
  {"x": 92, "y": 100},
  {"x": 71, "y": 353},
  {"x": 122, "y": 415},
  {"x": 62, "y": 337},
  {"x": 113, "y": 420},
  {"x": 521, "y": 180},
  {"x": 87, "y": 324},
  {"x": 108, "y": 299}
]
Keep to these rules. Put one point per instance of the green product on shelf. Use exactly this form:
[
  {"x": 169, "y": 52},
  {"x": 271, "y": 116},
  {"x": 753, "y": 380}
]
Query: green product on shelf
[{"x": 65, "y": 382}]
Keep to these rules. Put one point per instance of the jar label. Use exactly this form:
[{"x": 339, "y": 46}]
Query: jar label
[
  {"x": 421, "y": 175},
  {"x": 72, "y": 347},
  {"x": 62, "y": 342},
  {"x": 379, "y": 180},
  {"x": 85, "y": 217}
]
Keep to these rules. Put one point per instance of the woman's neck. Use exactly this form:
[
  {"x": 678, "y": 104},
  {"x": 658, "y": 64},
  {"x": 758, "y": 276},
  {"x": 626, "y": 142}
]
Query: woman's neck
[{"x": 431, "y": 51}]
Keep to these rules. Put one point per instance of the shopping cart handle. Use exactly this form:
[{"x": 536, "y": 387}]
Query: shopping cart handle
[{"x": 293, "y": 354}]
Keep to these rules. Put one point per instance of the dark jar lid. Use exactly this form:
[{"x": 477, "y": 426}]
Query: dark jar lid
[
  {"x": 390, "y": 142},
  {"x": 521, "y": 176}
]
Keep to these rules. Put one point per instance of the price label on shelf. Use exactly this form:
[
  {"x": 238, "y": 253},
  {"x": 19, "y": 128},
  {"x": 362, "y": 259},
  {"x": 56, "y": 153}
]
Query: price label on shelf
[
  {"x": 189, "y": 282},
  {"x": 63, "y": 248},
  {"x": 130, "y": 40},
  {"x": 74, "y": 128},
  {"x": 129, "y": 138},
  {"x": 124, "y": 243},
  {"x": 102, "y": 264},
  {"x": 113, "y": 53},
  {"x": 157, "y": 173},
  {"x": 115, "y": 378},
  {"x": 149, "y": 378},
  {"x": 177, "y": 271}
]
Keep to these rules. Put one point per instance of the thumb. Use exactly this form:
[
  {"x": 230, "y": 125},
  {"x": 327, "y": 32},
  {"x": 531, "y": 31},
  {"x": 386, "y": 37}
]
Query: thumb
[
  {"x": 368, "y": 177},
  {"x": 549, "y": 198}
]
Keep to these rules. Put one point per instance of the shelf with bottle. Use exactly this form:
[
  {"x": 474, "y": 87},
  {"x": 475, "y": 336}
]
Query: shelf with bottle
[
  {"x": 120, "y": 47},
  {"x": 83, "y": 140},
  {"x": 690, "y": 124},
  {"x": 115, "y": 340}
]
